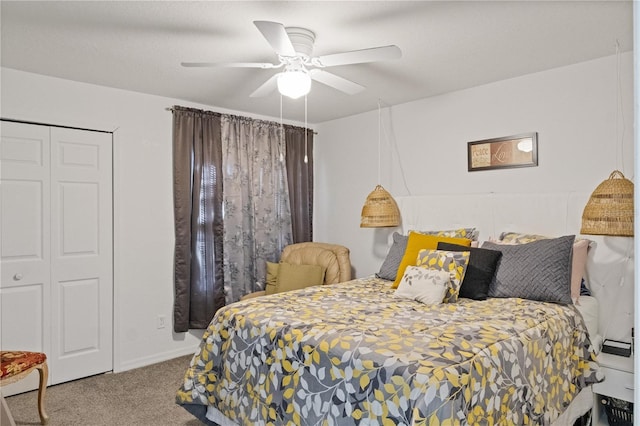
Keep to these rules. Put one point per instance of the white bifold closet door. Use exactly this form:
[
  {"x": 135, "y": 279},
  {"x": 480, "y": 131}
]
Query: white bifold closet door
[{"x": 56, "y": 249}]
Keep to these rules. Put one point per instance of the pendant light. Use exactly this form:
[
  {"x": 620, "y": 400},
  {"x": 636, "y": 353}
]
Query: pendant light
[
  {"x": 610, "y": 208},
  {"x": 380, "y": 209}
]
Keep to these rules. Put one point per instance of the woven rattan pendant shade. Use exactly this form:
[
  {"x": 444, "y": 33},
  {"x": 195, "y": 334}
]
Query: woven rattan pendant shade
[
  {"x": 380, "y": 210},
  {"x": 609, "y": 210}
]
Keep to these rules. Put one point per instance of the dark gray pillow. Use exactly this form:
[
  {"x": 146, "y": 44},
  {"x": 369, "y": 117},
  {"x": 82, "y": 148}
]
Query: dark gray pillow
[
  {"x": 539, "y": 270},
  {"x": 389, "y": 268},
  {"x": 480, "y": 270}
]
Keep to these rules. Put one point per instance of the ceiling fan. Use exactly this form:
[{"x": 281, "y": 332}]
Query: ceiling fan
[{"x": 294, "y": 47}]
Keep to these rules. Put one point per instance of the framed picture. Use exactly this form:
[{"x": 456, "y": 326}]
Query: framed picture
[{"x": 501, "y": 153}]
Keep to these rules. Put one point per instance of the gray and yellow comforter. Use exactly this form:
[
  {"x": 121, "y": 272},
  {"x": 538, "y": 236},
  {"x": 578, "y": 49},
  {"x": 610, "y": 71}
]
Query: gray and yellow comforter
[{"x": 352, "y": 353}]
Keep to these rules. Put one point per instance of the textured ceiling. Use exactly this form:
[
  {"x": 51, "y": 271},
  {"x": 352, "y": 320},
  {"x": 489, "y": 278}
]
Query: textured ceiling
[{"x": 446, "y": 45}]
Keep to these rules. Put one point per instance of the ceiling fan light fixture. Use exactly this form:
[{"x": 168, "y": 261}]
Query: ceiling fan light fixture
[{"x": 294, "y": 83}]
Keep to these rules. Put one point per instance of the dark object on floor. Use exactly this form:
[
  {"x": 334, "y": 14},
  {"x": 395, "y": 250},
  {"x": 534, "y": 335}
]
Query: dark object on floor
[{"x": 619, "y": 412}]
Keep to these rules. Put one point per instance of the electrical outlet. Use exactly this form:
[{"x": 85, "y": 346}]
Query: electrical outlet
[{"x": 162, "y": 321}]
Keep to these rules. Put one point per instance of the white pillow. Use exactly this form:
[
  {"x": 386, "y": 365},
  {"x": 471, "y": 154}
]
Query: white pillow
[{"x": 425, "y": 285}]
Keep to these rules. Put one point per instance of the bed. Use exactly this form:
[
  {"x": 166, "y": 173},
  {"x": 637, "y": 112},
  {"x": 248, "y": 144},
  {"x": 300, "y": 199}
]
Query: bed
[{"x": 355, "y": 353}]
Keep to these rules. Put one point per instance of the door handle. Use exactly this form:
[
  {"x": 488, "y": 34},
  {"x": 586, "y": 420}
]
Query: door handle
[{"x": 18, "y": 276}]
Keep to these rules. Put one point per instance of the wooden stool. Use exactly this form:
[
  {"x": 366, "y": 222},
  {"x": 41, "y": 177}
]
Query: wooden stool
[{"x": 16, "y": 365}]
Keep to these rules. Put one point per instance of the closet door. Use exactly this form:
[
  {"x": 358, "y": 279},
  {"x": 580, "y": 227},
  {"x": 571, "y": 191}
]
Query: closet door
[
  {"x": 25, "y": 239},
  {"x": 81, "y": 253},
  {"x": 56, "y": 288}
]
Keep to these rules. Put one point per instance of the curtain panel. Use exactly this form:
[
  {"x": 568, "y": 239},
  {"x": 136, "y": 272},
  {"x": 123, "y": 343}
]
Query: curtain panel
[
  {"x": 198, "y": 191},
  {"x": 257, "y": 217},
  {"x": 300, "y": 181}
]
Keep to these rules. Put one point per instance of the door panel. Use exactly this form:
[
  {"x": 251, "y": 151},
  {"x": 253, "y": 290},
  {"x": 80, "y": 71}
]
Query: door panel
[
  {"x": 82, "y": 278},
  {"x": 23, "y": 205},
  {"x": 80, "y": 300},
  {"x": 79, "y": 204},
  {"x": 23, "y": 327},
  {"x": 22, "y": 305},
  {"x": 25, "y": 260}
]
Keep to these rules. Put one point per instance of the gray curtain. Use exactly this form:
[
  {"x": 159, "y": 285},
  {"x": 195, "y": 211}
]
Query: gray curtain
[
  {"x": 257, "y": 218},
  {"x": 197, "y": 163},
  {"x": 300, "y": 180}
]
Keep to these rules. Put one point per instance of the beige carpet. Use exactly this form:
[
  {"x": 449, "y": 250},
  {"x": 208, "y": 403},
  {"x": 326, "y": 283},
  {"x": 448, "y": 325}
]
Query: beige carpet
[{"x": 144, "y": 396}]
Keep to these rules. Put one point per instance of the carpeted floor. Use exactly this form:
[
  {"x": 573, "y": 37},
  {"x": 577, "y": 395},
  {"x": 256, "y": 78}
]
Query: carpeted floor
[{"x": 139, "y": 397}]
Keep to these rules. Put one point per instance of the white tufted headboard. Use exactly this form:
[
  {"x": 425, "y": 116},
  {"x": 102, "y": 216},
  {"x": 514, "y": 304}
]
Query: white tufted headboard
[{"x": 610, "y": 269}]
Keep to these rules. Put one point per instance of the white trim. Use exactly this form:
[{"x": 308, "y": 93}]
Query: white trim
[
  {"x": 115, "y": 205},
  {"x": 156, "y": 358}
]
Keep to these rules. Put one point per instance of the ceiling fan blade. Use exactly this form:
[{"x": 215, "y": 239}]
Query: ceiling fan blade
[
  {"x": 383, "y": 53},
  {"x": 277, "y": 37},
  {"x": 267, "y": 87},
  {"x": 263, "y": 65},
  {"x": 332, "y": 80}
]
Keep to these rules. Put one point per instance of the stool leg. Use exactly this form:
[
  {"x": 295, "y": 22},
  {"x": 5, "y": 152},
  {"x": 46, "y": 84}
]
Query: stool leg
[{"x": 44, "y": 376}]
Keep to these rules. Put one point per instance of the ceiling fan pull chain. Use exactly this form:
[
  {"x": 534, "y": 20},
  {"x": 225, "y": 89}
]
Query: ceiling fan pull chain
[
  {"x": 281, "y": 133},
  {"x": 306, "y": 159}
]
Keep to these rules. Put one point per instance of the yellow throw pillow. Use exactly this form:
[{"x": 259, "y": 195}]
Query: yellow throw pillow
[
  {"x": 294, "y": 277},
  {"x": 272, "y": 277},
  {"x": 417, "y": 242}
]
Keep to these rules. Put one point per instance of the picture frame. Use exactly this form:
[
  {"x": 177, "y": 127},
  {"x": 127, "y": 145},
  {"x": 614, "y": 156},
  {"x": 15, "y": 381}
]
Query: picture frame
[{"x": 503, "y": 153}]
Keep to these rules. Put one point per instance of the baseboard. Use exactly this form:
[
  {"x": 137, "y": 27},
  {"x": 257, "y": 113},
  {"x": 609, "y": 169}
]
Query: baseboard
[{"x": 156, "y": 358}]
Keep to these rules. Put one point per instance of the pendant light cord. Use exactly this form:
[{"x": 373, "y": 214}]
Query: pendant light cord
[
  {"x": 391, "y": 140},
  {"x": 619, "y": 113},
  {"x": 281, "y": 131},
  {"x": 379, "y": 136}
]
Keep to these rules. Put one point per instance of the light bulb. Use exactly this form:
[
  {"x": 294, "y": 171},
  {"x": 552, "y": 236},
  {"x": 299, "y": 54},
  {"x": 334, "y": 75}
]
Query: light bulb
[{"x": 294, "y": 84}]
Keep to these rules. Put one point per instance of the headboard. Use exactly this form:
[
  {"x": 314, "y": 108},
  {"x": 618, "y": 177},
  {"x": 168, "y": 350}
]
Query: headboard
[{"x": 610, "y": 268}]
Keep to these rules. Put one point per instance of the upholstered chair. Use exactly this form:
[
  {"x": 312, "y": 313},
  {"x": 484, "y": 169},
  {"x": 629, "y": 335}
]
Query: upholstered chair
[{"x": 334, "y": 258}]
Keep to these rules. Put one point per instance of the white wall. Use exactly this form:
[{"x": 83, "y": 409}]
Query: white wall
[
  {"x": 143, "y": 200},
  {"x": 572, "y": 108}
]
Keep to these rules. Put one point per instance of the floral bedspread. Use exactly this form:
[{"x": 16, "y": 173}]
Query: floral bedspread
[{"x": 352, "y": 353}]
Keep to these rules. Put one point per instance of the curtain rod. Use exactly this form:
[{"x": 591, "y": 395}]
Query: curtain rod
[{"x": 173, "y": 109}]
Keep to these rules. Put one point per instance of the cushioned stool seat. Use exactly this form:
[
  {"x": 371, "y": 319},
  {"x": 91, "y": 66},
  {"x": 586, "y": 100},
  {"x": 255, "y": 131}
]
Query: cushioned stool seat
[{"x": 16, "y": 365}]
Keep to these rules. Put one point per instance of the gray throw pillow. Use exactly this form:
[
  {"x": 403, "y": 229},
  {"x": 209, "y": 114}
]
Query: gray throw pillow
[
  {"x": 389, "y": 268},
  {"x": 540, "y": 270}
]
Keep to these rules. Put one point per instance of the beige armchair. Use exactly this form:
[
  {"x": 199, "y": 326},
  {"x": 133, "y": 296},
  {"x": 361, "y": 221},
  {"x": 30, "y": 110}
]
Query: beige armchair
[{"x": 333, "y": 257}]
